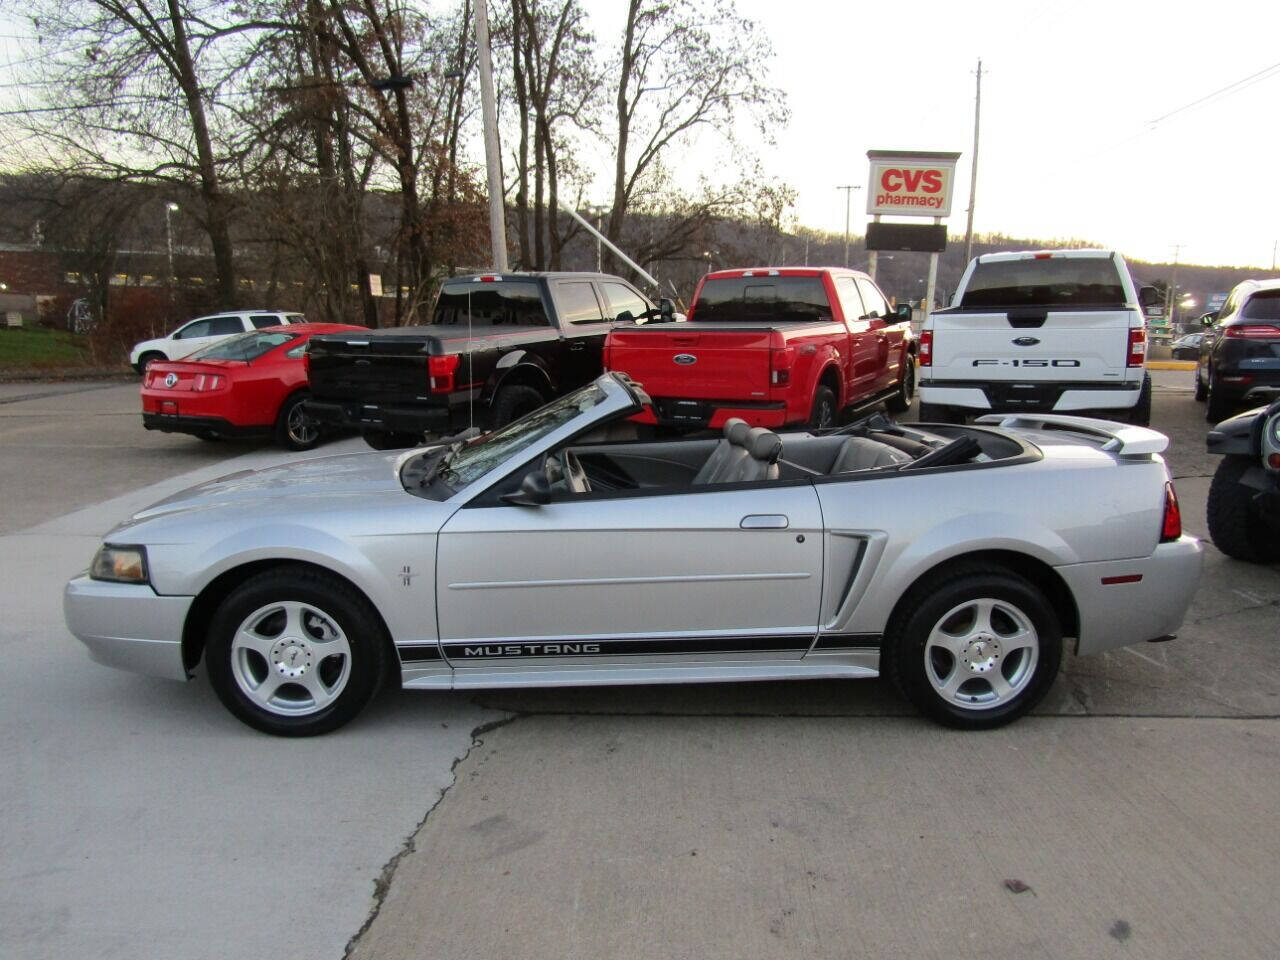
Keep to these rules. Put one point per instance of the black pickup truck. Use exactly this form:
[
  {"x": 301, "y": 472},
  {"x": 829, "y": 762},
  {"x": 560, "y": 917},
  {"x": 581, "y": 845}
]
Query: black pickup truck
[{"x": 497, "y": 347}]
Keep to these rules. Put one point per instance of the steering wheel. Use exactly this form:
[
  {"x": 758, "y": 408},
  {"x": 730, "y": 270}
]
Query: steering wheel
[{"x": 575, "y": 477}]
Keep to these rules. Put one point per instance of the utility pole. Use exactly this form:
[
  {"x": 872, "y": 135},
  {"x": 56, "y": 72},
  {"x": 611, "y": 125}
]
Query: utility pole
[
  {"x": 1273, "y": 255},
  {"x": 170, "y": 208},
  {"x": 973, "y": 176},
  {"x": 492, "y": 156},
  {"x": 1171, "y": 301},
  {"x": 848, "y": 192}
]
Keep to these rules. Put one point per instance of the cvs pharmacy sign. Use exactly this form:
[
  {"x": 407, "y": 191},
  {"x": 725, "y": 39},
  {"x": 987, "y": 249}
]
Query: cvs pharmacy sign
[{"x": 910, "y": 184}]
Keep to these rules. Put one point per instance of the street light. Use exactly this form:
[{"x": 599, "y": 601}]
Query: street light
[
  {"x": 848, "y": 192},
  {"x": 597, "y": 211}
]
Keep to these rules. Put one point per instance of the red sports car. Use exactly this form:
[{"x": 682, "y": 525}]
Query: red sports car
[{"x": 252, "y": 385}]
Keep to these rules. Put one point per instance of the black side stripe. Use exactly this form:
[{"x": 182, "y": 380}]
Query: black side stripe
[
  {"x": 848, "y": 641},
  {"x": 419, "y": 653}
]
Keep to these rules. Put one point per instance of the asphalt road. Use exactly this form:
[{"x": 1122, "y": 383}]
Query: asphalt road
[{"x": 1131, "y": 816}]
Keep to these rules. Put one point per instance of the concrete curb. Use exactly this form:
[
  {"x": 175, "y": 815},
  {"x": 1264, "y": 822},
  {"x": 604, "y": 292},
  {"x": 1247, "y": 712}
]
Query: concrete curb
[{"x": 1171, "y": 364}]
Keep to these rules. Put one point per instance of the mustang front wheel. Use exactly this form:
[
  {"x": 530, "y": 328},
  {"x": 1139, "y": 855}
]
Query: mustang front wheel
[
  {"x": 974, "y": 649},
  {"x": 295, "y": 652}
]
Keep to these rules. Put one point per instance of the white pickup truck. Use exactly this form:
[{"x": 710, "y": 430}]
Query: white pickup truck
[{"x": 1058, "y": 331}]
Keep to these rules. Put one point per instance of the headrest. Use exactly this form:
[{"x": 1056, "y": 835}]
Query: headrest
[
  {"x": 736, "y": 430},
  {"x": 764, "y": 444}
]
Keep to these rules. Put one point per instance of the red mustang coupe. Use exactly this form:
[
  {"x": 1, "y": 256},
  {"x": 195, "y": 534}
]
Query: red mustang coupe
[{"x": 252, "y": 385}]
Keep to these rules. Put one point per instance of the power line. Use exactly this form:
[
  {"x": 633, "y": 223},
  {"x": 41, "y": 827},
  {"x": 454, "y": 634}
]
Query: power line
[{"x": 1229, "y": 88}]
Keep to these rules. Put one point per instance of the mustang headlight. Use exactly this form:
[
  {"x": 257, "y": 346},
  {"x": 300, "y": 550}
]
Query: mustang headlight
[{"x": 120, "y": 563}]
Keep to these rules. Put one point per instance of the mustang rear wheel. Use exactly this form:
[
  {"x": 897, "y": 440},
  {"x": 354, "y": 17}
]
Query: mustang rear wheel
[
  {"x": 295, "y": 428},
  {"x": 974, "y": 648},
  {"x": 295, "y": 652}
]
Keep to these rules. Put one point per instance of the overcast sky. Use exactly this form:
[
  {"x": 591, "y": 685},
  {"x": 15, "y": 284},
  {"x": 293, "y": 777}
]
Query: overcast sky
[{"x": 1070, "y": 91}]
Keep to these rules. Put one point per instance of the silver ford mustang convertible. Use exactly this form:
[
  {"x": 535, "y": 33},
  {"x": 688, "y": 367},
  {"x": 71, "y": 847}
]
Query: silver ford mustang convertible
[{"x": 562, "y": 549}]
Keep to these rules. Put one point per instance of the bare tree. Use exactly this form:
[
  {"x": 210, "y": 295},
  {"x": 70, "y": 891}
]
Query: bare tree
[{"x": 682, "y": 69}]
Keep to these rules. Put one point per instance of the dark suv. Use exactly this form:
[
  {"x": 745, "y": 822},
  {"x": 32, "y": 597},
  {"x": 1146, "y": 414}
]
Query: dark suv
[{"x": 1239, "y": 359}]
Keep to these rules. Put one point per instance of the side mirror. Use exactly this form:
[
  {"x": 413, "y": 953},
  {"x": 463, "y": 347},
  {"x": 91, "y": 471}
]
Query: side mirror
[
  {"x": 667, "y": 309},
  {"x": 624, "y": 317},
  {"x": 1149, "y": 297},
  {"x": 535, "y": 490},
  {"x": 902, "y": 312}
]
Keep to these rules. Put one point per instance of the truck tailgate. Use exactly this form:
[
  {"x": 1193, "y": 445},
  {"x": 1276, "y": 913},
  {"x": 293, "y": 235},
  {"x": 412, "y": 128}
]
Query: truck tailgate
[
  {"x": 367, "y": 367},
  {"x": 1056, "y": 344},
  {"x": 707, "y": 363}
]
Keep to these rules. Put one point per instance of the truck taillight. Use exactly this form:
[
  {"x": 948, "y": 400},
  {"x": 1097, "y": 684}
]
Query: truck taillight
[
  {"x": 306, "y": 364},
  {"x": 781, "y": 359},
  {"x": 926, "y": 348},
  {"x": 442, "y": 370},
  {"x": 1137, "y": 347},
  {"x": 1171, "y": 527}
]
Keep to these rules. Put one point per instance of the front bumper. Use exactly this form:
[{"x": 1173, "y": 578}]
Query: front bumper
[
  {"x": 1152, "y": 607},
  {"x": 128, "y": 626},
  {"x": 1005, "y": 397}
]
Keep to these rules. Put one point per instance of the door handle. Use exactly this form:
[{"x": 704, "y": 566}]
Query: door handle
[
  {"x": 764, "y": 521},
  {"x": 577, "y": 346}
]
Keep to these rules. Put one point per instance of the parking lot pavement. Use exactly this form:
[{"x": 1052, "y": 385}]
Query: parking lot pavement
[
  {"x": 826, "y": 819},
  {"x": 142, "y": 820}
]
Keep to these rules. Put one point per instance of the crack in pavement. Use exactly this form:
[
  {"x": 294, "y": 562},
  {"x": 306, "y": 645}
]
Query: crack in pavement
[
  {"x": 382, "y": 883},
  {"x": 1261, "y": 605}
]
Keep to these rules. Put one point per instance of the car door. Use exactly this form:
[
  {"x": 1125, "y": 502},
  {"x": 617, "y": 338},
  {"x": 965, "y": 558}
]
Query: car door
[
  {"x": 687, "y": 577},
  {"x": 202, "y": 333},
  {"x": 584, "y": 328},
  {"x": 863, "y": 343},
  {"x": 888, "y": 340}
]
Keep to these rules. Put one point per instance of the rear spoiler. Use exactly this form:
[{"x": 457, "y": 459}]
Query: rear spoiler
[{"x": 1121, "y": 439}]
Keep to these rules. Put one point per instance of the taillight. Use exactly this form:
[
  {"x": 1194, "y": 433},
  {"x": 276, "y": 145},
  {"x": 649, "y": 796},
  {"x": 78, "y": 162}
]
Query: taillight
[
  {"x": 1171, "y": 528},
  {"x": 1246, "y": 330},
  {"x": 441, "y": 370},
  {"x": 926, "y": 348},
  {"x": 1137, "y": 347},
  {"x": 206, "y": 381},
  {"x": 306, "y": 364},
  {"x": 781, "y": 359}
]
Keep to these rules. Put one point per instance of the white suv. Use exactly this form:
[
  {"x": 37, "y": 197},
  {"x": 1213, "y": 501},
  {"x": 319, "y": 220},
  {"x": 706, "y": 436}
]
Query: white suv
[{"x": 203, "y": 331}]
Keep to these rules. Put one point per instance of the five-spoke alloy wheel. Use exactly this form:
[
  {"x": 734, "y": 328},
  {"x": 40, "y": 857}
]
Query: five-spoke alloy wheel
[
  {"x": 974, "y": 647},
  {"x": 295, "y": 651}
]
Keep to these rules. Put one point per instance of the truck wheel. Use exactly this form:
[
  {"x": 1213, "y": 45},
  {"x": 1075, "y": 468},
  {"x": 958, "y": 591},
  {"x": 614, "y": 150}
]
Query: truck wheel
[
  {"x": 900, "y": 402},
  {"x": 391, "y": 441},
  {"x": 512, "y": 403},
  {"x": 1201, "y": 393},
  {"x": 974, "y": 647},
  {"x": 1236, "y": 525},
  {"x": 823, "y": 414},
  {"x": 1141, "y": 412},
  {"x": 937, "y": 413},
  {"x": 1220, "y": 406}
]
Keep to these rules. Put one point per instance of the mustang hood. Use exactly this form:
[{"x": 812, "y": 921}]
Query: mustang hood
[{"x": 358, "y": 476}]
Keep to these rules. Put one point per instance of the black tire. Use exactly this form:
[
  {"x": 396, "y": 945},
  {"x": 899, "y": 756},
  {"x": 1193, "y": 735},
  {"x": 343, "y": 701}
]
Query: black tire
[
  {"x": 295, "y": 429},
  {"x": 327, "y": 606},
  {"x": 900, "y": 402},
  {"x": 1202, "y": 392},
  {"x": 148, "y": 357},
  {"x": 1220, "y": 406},
  {"x": 938, "y": 413},
  {"x": 512, "y": 403},
  {"x": 1236, "y": 525},
  {"x": 391, "y": 441},
  {"x": 1141, "y": 412},
  {"x": 824, "y": 410},
  {"x": 945, "y": 599}
]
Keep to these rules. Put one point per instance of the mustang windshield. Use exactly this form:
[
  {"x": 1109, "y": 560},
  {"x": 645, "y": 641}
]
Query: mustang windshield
[
  {"x": 246, "y": 347},
  {"x": 485, "y": 453}
]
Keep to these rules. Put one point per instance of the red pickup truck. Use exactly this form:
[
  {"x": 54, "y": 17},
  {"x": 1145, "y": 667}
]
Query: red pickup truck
[{"x": 774, "y": 347}]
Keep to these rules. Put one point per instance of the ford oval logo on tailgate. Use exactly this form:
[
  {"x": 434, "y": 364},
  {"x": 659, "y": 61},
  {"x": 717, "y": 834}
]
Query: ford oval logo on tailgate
[
  {"x": 1025, "y": 342},
  {"x": 684, "y": 359}
]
